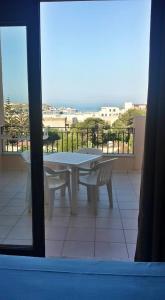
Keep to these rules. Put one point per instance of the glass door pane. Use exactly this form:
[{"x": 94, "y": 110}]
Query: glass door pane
[{"x": 15, "y": 162}]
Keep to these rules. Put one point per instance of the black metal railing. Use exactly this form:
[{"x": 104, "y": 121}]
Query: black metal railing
[{"x": 62, "y": 139}]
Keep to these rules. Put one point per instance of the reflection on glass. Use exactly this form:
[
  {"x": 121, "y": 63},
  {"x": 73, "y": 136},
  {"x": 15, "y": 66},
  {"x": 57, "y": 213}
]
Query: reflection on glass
[{"x": 15, "y": 178}]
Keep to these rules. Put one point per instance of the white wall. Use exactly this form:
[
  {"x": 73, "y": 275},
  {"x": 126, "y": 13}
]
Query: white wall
[{"x": 139, "y": 125}]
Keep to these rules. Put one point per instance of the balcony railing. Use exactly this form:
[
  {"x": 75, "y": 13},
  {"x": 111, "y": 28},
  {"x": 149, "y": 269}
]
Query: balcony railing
[{"x": 62, "y": 139}]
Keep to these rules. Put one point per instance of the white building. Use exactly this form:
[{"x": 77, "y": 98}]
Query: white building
[
  {"x": 109, "y": 113},
  {"x": 128, "y": 105},
  {"x": 67, "y": 116},
  {"x": 140, "y": 106}
]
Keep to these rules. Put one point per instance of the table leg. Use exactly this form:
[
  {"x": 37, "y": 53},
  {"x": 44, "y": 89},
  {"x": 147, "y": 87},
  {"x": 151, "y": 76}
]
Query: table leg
[{"x": 74, "y": 185}]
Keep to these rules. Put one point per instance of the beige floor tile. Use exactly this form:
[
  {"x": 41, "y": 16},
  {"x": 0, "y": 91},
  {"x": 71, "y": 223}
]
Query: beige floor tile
[
  {"x": 78, "y": 249},
  {"x": 58, "y": 221},
  {"x": 53, "y": 248},
  {"x": 55, "y": 233},
  {"x": 21, "y": 233},
  {"x": 17, "y": 202},
  {"x": 130, "y": 223},
  {"x": 123, "y": 198},
  {"x": 60, "y": 203},
  {"x": 4, "y": 230},
  {"x": 17, "y": 242},
  {"x": 113, "y": 223},
  {"x": 12, "y": 211},
  {"x": 20, "y": 195},
  {"x": 6, "y": 194},
  {"x": 83, "y": 222},
  {"x": 4, "y": 202},
  {"x": 25, "y": 221},
  {"x": 8, "y": 220},
  {"x": 115, "y": 251},
  {"x": 61, "y": 211},
  {"x": 82, "y": 203},
  {"x": 130, "y": 235},
  {"x": 129, "y": 213},
  {"x": 110, "y": 213},
  {"x": 128, "y": 204},
  {"x": 131, "y": 250},
  {"x": 105, "y": 204},
  {"x": 122, "y": 194},
  {"x": 81, "y": 234},
  {"x": 84, "y": 212},
  {"x": 78, "y": 230},
  {"x": 110, "y": 235}
]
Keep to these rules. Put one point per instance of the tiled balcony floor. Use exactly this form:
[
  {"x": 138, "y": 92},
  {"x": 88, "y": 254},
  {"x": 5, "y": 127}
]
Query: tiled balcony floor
[{"x": 110, "y": 235}]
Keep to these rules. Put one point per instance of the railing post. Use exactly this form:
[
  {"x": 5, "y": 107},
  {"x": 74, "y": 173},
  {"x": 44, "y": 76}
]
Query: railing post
[{"x": 87, "y": 137}]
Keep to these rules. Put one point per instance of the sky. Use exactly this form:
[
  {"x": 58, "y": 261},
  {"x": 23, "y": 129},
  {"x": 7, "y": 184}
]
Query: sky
[{"x": 92, "y": 53}]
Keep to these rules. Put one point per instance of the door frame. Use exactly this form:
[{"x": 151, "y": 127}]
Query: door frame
[{"x": 27, "y": 13}]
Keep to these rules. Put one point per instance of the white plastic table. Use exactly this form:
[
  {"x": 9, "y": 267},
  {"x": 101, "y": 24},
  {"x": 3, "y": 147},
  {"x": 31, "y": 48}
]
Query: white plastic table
[{"x": 73, "y": 160}]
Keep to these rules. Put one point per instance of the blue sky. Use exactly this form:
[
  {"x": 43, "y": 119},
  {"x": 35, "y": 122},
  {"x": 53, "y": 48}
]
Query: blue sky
[
  {"x": 92, "y": 53},
  {"x": 14, "y": 63}
]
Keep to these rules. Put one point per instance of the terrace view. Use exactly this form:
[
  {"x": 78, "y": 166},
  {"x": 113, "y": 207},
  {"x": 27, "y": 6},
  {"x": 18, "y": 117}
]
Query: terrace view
[
  {"x": 82, "y": 143},
  {"x": 109, "y": 234},
  {"x": 91, "y": 203}
]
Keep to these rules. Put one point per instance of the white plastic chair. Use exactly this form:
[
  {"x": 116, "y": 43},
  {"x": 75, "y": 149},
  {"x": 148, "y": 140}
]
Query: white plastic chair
[
  {"x": 45, "y": 133},
  {"x": 93, "y": 151},
  {"x": 53, "y": 181},
  {"x": 26, "y": 156},
  {"x": 98, "y": 176}
]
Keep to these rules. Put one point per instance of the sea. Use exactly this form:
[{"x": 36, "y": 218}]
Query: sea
[{"x": 83, "y": 107}]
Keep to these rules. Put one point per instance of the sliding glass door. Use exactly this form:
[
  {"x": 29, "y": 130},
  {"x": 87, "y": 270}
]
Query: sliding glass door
[{"x": 21, "y": 167}]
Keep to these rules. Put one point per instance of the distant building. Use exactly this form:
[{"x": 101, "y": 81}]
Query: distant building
[
  {"x": 64, "y": 117},
  {"x": 67, "y": 110},
  {"x": 130, "y": 105},
  {"x": 54, "y": 121},
  {"x": 140, "y": 106},
  {"x": 109, "y": 113},
  {"x": 58, "y": 120}
]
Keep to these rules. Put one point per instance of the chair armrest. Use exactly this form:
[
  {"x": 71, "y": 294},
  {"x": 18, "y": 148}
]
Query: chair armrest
[
  {"x": 57, "y": 173},
  {"x": 52, "y": 173}
]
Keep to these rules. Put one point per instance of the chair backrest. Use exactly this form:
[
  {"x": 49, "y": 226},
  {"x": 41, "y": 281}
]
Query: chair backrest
[
  {"x": 56, "y": 173},
  {"x": 93, "y": 151},
  {"x": 46, "y": 186},
  {"x": 104, "y": 171},
  {"x": 48, "y": 170}
]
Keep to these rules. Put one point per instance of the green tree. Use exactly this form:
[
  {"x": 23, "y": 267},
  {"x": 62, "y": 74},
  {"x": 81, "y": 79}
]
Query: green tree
[
  {"x": 16, "y": 121},
  {"x": 53, "y": 137},
  {"x": 126, "y": 120},
  {"x": 91, "y": 123},
  {"x": 91, "y": 131},
  {"x": 9, "y": 113},
  {"x": 122, "y": 128}
]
